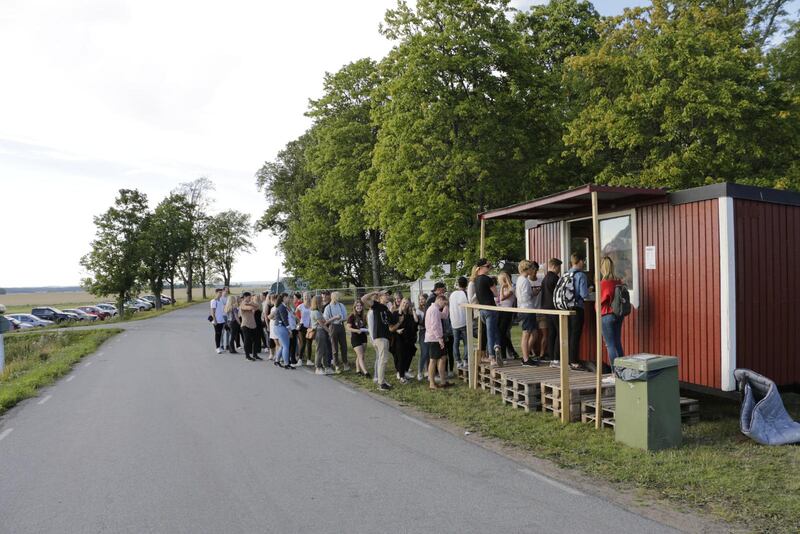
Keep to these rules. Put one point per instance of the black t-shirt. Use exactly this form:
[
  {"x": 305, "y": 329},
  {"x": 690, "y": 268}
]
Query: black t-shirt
[
  {"x": 548, "y": 288},
  {"x": 381, "y": 320},
  {"x": 483, "y": 290}
]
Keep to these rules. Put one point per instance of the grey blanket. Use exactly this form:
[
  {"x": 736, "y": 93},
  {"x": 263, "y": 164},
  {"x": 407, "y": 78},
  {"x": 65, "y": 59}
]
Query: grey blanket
[{"x": 764, "y": 417}]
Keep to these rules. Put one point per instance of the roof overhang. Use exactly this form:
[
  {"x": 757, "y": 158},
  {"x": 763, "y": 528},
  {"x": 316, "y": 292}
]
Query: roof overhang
[{"x": 577, "y": 202}]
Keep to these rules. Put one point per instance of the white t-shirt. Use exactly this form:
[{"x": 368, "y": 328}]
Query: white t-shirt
[
  {"x": 524, "y": 294},
  {"x": 458, "y": 315},
  {"x": 537, "y": 283}
]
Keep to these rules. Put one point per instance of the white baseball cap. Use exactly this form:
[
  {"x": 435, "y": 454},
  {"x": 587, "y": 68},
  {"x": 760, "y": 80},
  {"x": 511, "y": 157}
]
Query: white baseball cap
[{"x": 2, "y": 308}]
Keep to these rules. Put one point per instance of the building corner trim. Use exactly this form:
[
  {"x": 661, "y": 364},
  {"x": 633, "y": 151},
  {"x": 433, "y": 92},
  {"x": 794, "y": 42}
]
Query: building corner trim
[{"x": 727, "y": 293}]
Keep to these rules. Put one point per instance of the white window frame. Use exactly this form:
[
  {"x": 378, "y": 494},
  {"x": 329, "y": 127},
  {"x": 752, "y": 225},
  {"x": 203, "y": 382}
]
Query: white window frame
[{"x": 634, "y": 291}]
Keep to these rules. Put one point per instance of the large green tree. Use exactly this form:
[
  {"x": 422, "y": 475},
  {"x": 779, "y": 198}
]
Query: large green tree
[
  {"x": 341, "y": 154},
  {"x": 230, "y": 233},
  {"x": 463, "y": 127},
  {"x": 166, "y": 235},
  {"x": 197, "y": 197},
  {"x": 678, "y": 95},
  {"x": 115, "y": 261}
]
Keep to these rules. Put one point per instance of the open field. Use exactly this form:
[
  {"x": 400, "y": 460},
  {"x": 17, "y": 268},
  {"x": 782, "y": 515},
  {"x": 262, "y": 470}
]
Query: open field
[{"x": 717, "y": 470}]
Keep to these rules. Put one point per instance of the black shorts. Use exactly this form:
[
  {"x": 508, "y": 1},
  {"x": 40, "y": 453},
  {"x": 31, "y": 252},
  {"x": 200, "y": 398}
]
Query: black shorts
[
  {"x": 529, "y": 323},
  {"x": 434, "y": 350}
]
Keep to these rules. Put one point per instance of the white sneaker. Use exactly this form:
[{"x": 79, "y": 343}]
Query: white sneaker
[
  {"x": 375, "y": 379},
  {"x": 450, "y": 374},
  {"x": 609, "y": 380},
  {"x": 309, "y": 363},
  {"x": 219, "y": 350},
  {"x": 555, "y": 363},
  {"x": 328, "y": 371},
  {"x": 346, "y": 367},
  {"x": 409, "y": 376},
  {"x": 319, "y": 371},
  {"x": 419, "y": 377}
]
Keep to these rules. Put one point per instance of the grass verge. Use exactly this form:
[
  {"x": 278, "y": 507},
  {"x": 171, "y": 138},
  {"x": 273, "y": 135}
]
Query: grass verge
[
  {"x": 37, "y": 359},
  {"x": 716, "y": 471}
]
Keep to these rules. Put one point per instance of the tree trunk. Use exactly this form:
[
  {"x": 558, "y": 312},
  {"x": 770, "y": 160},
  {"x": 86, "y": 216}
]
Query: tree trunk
[
  {"x": 203, "y": 280},
  {"x": 172, "y": 288},
  {"x": 121, "y": 306},
  {"x": 189, "y": 267},
  {"x": 375, "y": 257}
]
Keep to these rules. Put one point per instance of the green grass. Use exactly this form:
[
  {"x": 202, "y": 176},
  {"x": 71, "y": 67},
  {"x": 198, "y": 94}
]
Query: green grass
[
  {"x": 716, "y": 471},
  {"x": 37, "y": 359}
]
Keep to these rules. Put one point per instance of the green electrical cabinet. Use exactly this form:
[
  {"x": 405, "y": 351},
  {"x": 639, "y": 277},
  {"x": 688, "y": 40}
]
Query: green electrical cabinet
[{"x": 648, "y": 410}]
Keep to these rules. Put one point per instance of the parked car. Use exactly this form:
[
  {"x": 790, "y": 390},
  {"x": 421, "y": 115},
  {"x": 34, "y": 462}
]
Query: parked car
[
  {"x": 82, "y": 315},
  {"x": 148, "y": 305},
  {"x": 53, "y": 314},
  {"x": 152, "y": 299},
  {"x": 32, "y": 320},
  {"x": 136, "y": 305},
  {"x": 17, "y": 324},
  {"x": 110, "y": 308},
  {"x": 97, "y": 312}
]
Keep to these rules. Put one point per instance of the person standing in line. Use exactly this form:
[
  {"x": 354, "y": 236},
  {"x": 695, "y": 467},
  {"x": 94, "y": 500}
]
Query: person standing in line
[
  {"x": 485, "y": 292},
  {"x": 473, "y": 299},
  {"x": 248, "y": 311},
  {"x": 232, "y": 313},
  {"x": 323, "y": 358},
  {"x": 422, "y": 363},
  {"x": 405, "y": 338},
  {"x": 524, "y": 293},
  {"x": 538, "y": 348},
  {"x": 548, "y": 288},
  {"x": 611, "y": 322},
  {"x": 335, "y": 314},
  {"x": 289, "y": 303},
  {"x": 218, "y": 319},
  {"x": 458, "y": 321},
  {"x": 357, "y": 326},
  {"x": 505, "y": 299},
  {"x": 304, "y": 321},
  {"x": 439, "y": 288},
  {"x": 260, "y": 342},
  {"x": 581, "y": 284},
  {"x": 434, "y": 337},
  {"x": 281, "y": 314},
  {"x": 382, "y": 320}
]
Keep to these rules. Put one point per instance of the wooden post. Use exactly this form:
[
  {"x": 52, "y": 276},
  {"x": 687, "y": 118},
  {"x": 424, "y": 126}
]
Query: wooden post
[
  {"x": 597, "y": 317},
  {"x": 478, "y": 350},
  {"x": 563, "y": 333},
  {"x": 472, "y": 358}
]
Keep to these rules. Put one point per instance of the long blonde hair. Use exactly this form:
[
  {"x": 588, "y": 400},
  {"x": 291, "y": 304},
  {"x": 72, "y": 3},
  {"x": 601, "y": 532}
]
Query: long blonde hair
[
  {"x": 504, "y": 280},
  {"x": 316, "y": 302},
  {"x": 233, "y": 302},
  {"x": 607, "y": 269},
  {"x": 473, "y": 274}
]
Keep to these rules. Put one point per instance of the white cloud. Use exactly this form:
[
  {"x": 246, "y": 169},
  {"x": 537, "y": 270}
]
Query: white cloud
[{"x": 104, "y": 94}]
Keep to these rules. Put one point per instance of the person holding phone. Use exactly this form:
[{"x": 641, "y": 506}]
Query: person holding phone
[{"x": 357, "y": 327}]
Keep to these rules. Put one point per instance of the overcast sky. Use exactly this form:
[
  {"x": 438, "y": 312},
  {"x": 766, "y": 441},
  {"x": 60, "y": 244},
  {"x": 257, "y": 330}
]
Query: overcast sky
[{"x": 99, "y": 95}]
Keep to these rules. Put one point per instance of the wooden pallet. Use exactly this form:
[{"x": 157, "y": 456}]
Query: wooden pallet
[
  {"x": 582, "y": 388},
  {"x": 522, "y": 386},
  {"x": 463, "y": 374},
  {"x": 690, "y": 411},
  {"x": 491, "y": 378}
]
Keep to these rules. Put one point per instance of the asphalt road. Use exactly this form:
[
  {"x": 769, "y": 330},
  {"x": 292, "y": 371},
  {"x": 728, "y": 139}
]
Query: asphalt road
[{"x": 157, "y": 433}]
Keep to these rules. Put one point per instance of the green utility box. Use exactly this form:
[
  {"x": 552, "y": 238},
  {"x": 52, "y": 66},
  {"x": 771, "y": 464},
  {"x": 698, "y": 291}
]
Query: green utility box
[{"x": 648, "y": 408}]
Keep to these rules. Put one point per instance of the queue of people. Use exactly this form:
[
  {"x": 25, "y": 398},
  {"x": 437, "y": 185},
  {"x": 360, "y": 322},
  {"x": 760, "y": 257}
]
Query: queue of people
[{"x": 289, "y": 328}]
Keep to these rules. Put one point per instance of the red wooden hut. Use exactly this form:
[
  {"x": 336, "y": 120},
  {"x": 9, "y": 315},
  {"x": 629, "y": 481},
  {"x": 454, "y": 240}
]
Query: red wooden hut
[{"x": 712, "y": 271}]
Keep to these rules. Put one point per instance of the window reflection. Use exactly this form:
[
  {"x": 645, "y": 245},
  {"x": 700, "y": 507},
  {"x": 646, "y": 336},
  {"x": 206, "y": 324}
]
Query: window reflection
[{"x": 616, "y": 243}]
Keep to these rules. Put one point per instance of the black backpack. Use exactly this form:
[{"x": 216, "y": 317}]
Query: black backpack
[
  {"x": 564, "y": 294},
  {"x": 621, "y": 303}
]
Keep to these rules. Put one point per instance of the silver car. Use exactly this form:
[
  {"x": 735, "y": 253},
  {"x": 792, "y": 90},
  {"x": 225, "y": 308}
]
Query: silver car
[{"x": 32, "y": 320}]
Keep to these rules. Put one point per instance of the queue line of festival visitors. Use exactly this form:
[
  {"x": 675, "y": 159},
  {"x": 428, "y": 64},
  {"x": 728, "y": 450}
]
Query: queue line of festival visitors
[{"x": 290, "y": 328}]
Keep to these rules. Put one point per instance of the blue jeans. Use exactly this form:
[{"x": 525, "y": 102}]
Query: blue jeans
[
  {"x": 460, "y": 335},
  {"x": 612, "y": 335},
  {"x": 283, "y": 335},
  {"x": 489, "y": 318},
  {"x": 422, "y": 362}
]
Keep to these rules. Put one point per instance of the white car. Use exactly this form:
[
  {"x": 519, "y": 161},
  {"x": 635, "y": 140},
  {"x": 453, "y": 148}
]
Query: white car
[
  {"x": 28, "y": 319},
  {"x": 110, "y": 308}
]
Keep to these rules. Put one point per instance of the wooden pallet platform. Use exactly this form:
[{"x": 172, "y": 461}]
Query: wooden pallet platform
[
  {"x": 522, "y": 386},
  {"x": 690, "y": 411},
  {"x": 582, "y": 388}
]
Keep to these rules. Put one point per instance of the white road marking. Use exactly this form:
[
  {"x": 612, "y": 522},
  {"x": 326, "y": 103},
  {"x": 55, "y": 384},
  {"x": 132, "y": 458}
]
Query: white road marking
[
  {"x": 416, "y": 421},
  {"x": 349, "y": 390},
  {"x": 87, "y": 364},
  {"x": 47, "y": 398},
  {"x": 70, "y": 378},
  {"x": 559, "y": 485},
  {"x": 5, "y": 433}
]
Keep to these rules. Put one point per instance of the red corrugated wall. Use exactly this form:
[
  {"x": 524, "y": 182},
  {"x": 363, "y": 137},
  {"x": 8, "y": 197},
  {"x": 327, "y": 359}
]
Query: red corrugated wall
[
  {"x": 679, "y": 302},
  {"x": 767, "y": 241}
]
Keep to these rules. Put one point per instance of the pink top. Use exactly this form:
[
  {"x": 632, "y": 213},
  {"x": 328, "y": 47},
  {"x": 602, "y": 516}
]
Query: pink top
[{"x": 433, "y": 324}]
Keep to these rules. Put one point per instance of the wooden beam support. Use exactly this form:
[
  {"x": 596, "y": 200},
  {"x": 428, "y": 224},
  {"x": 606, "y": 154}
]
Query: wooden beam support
[
  {"x": 563, "y": 333},
  {"x": 597, "y": 317}
]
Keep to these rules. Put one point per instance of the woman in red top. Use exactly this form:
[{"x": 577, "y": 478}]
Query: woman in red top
[{"x": 611, "y": 324}]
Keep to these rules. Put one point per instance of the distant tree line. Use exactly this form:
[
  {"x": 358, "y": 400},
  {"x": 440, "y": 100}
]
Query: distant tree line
[
  {"x": 137, "y": 248},
  {"x": 479, "y": 105}
]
